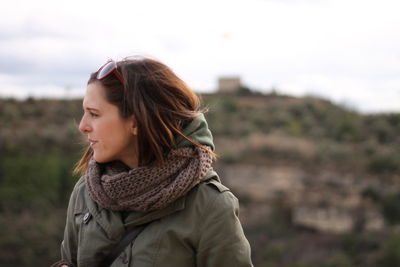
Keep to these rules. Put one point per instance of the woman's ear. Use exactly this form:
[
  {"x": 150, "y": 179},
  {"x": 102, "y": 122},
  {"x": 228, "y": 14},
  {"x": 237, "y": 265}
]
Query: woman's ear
[{"x": 134, "y": 128}]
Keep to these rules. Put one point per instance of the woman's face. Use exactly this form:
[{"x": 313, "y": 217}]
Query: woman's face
[{"x": 110, "y": 136}]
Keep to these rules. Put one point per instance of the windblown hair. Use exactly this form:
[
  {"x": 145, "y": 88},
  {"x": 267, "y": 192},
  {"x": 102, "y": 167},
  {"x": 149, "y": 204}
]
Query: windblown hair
[{"x": 161, "y": 103}]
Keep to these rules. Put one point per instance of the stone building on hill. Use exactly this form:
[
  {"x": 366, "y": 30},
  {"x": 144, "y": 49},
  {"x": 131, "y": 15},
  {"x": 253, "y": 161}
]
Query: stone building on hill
[{"x": 229, "y": 84}]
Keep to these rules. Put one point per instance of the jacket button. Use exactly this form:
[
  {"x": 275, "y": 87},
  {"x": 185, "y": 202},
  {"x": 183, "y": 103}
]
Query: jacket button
[{"x": 87, "y": 218}]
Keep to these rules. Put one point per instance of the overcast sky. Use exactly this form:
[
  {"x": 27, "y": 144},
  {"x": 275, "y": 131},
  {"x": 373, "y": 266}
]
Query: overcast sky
[{"x": 344, "y": 50}]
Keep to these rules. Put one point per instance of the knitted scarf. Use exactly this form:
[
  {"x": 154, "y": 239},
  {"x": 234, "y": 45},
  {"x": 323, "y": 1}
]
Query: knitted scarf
[{"x": 116, "y": 187}]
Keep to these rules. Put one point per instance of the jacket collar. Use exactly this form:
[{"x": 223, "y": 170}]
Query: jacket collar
[{"x": 137, "y": 218}]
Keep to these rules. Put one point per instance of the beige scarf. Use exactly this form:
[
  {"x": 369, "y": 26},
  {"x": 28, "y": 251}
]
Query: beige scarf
[{"x": 116, "y": 187}]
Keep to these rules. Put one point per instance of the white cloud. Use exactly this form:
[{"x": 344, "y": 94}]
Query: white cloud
[
  {"x": 347, "y": 50},
  {"x": 357, "y": 93}
]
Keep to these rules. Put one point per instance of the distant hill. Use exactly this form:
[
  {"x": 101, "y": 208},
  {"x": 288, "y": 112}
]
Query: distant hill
[
  {"x": 306, "y": 129},
  {"x": 301, "y": 167}
]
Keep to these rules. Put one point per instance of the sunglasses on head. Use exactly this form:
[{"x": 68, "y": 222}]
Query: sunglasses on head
[{"x": 108, "y": 68}]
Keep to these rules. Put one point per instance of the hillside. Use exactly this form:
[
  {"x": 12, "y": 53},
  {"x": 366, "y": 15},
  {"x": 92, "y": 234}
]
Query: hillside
[{"x": 311, "y": 176}]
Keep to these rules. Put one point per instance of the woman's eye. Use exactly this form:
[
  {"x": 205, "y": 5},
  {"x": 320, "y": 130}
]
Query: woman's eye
[{"x": 93, "y": 114}]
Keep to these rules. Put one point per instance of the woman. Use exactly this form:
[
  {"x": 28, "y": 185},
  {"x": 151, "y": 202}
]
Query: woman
[{"x": 148, "y": 167}]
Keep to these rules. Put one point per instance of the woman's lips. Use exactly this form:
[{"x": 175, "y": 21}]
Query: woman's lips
[{"x": 92, "y": 142}]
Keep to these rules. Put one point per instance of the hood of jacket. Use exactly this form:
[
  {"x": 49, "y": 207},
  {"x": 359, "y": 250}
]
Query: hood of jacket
[{"x": 198, "y": 131}]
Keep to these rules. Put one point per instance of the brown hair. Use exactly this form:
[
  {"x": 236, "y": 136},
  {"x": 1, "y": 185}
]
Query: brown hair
[{"x": 161, "y": 103}]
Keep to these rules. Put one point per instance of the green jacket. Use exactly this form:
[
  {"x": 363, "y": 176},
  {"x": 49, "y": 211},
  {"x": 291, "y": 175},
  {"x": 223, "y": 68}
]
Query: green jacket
[{"x": 199, "y": 229}]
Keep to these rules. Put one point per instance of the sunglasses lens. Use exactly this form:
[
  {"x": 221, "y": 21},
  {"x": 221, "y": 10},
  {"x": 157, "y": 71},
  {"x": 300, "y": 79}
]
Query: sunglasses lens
[{"x": 108, "y": 68}]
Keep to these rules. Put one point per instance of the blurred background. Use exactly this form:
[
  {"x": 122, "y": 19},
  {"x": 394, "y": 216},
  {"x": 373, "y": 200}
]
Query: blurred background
[{"x": 304, "y": 105}]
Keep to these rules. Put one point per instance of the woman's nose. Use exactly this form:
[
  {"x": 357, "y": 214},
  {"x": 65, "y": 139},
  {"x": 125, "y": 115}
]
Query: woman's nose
[{"x": 84, "y": 127}]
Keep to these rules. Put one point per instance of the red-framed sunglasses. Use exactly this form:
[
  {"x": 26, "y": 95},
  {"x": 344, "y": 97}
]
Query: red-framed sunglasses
[{"x": 109, "y": 67}]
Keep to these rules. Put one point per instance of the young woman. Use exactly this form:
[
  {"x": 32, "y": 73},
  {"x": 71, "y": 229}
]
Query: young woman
[{"x": 147, "y": 169}]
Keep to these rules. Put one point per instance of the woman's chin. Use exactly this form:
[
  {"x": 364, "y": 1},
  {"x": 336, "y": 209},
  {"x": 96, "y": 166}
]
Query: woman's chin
[{"x": 100, "y": 159}]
